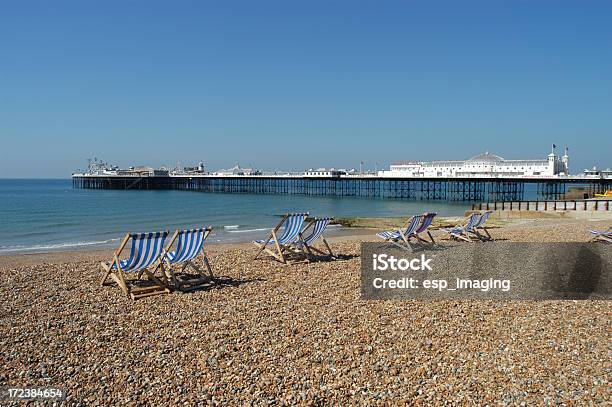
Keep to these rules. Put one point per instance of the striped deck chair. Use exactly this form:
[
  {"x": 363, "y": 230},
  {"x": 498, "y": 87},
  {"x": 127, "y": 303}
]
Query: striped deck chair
[
  {"x": 601, "y": 235},
  {"x": 405, "y": 235},
  {"x": 189, "y": 245},
  {"x": 145, "y": 255},
  {"x": 463, "y": 232},
  {"x": 292, "y": 223},
  {"x": 305, "y": 243},
  {"x": 479, "y": 226},
  {"x": 424, "y": 226}
]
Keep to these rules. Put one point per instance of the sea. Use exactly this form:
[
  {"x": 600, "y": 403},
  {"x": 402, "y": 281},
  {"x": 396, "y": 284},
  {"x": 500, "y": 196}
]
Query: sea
[{"x": 45, "y": 215}]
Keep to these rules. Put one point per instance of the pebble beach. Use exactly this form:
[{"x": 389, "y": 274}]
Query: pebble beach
[{"x": 274, "y": 334}]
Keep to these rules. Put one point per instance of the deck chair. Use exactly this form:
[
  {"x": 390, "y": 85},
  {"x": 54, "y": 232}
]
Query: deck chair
[
  {"x": 189, "y": 245},
  {"x": 463, "y": 232},
  {"x": 145, "y": 254},
  {"x": 601, "y": 235},
  {"x": 305, "y": 242},
  {"x": 479, "y": 226},
  {"x": 292, "y": 223},
  {"x": 396, "y": 236},
  {"x": 424, "y": 226}
]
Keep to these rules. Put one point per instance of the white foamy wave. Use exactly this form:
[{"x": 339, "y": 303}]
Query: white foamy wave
[
  {"x": 57, "y": 246},
  {"x": 247, "y": 230},
  {"x": 231, "y": 226}
]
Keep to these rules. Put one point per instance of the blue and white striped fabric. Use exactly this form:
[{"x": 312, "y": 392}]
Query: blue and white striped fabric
[
  {"x": 467, "y": 228},
  {"x": 482, "y": 219},
  {"x": 317, "y": 230},
  {"x": 427, "y": 219},
  {"x": 410, "y": 229},
  {"x": 189, "y": 245},
  {"x": 146, "y": 249},
  {"x": 291, "y": 229},
  {"x": 607, "y": 233}
]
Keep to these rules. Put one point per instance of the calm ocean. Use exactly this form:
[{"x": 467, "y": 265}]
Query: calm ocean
[{"x": 47, "y": 215}]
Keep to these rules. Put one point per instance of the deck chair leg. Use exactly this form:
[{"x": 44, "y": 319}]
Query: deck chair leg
[
  {"x": 308, "y": 251},
  {"x": 396, "y": 242},
  {"x": 431, "y": 237},
  {"x": 487, "y": 233},
  {"x": 315, "y": 250},
  {"x": 175, "y": 282},
  {"x": 406, "y": 240},
  {"x": 119, "y": 278},
  {"x": 462, "y": 237},
  {"x": 327, "y": 246},
  {"x": 208, "y": 267},
  {"x": 273, "y": 254},
  {"x": 263, "y": 246},
  {"x": 199, "y": 270},
  {"x": 107, "y": 270},
  {"x": 163, "y": 279},
  {"x": 479, "y": 236},
  {"x": 304, "y": 248},
  {"x": 280, "y": 251}
]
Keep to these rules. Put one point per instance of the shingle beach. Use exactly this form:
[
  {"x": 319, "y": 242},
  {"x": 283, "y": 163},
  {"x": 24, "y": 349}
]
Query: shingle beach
[{"x": 273, "y": 334}]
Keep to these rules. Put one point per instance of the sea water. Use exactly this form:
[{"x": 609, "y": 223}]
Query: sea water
[{"x": 49, "y": 214}]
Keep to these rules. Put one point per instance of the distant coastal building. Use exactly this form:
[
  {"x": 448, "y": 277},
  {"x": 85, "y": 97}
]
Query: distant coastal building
[
  {"x": 322, "y": 172},
  {"x": 195, "y": 170},
  {"x": 482, "y": 165},
  {"x": 596, "y": 173},
  {"x": 329, "y": 172},
  {"x": 237, "y": 170},
  {"x": 142, "y": 171}
]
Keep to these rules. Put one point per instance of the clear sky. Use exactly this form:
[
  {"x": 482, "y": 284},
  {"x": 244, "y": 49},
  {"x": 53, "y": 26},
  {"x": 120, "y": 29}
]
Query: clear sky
[{"x": 299, "y": 84}]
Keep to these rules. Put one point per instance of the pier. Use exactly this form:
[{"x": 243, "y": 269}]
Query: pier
[{"x": 441, "y": 189}]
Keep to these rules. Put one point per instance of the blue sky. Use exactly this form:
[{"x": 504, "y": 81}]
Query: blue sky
[{"x": 298, "y": 84}]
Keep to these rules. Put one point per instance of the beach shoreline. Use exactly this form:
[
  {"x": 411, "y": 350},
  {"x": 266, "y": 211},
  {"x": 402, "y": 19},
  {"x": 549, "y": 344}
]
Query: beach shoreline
[{"x": 364, "y": 229}]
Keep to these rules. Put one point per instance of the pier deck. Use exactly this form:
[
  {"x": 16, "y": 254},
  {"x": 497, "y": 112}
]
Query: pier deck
[{"x": 443, "y": 189}]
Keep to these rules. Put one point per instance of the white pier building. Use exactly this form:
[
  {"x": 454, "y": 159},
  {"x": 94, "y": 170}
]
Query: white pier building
[{"x": 482, "y": 165}]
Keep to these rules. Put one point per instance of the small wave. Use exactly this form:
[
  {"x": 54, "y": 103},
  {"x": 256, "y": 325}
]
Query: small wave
[
  {"x": 57, "y": 246},
  {"x": 247, "y": 230},
  {"x": 231, "y": 226}
]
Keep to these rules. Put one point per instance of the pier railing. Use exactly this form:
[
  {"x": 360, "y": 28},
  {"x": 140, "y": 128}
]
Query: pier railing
[{"x": 546, "y": 205}]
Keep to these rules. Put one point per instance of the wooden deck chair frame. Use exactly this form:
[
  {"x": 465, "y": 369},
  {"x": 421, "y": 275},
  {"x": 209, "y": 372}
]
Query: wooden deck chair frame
[
  {"x": 462, "y": 233},
  {"x": 402, "y": 232},
  {"x": 399, "y": 236},
  {"x": 476, "y": 229},
  {"x": 461, "y": 236},
  {"x": 279, "y": 254},
  {"x": 119, "y": 276},
  {"x": 180, "y": 283},
  {"x": 309, "y": 249}
]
